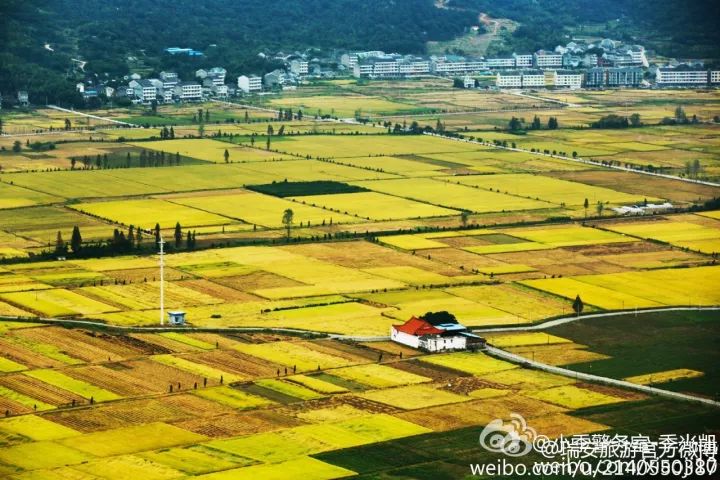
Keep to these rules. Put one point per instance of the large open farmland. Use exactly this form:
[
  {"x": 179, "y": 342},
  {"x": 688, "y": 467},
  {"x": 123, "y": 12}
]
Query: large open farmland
[{"x": 294, "y": 254}]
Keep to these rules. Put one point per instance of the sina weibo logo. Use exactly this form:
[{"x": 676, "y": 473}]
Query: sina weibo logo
[{"x": 513, "y": 438}]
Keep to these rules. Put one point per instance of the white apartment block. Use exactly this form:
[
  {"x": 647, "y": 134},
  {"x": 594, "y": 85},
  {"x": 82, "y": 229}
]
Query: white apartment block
[
  {"x": 547, "y": 60},
  {"x": 509, "y": 80},
  {"x": 568, "y": 79},
  {"x": 454, "y": 68},
  {"x": 187, "y": 91},
  {"x": 500, "y": 62},
  {"x": 362, "y": 70},
  {"x": 253, "y": 83},
  {"x": 414, "y": 68},
  {"x": 523, "y": 61},
  {"x": 681, "y": 76},
  {"x": 715, "y": 76},
  {"x": 144, "y": 90},
  {"x": 533, "y": 79}
]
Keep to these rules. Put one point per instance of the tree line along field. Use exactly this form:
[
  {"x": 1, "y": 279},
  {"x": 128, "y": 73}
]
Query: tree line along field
[{"x": 208, "y": 405}]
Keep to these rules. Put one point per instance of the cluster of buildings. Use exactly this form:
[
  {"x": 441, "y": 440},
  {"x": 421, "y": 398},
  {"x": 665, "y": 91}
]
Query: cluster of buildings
[{"x": 168, "y": 87}]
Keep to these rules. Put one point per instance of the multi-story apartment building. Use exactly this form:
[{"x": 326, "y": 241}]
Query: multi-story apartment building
[
  {"x": 533, "y": 79},
  {"x": 508, "y": 80},
  {"x": 248, "y": 84},
  {"x": 144, "y": 90},
  {"x": 567, "y": 79},
  {"x": 508, "y": 62},
  {"x": 715, "y": 76},
  {"x": 543, "y": 59},
  {"x": 523, "y": 61},
  {"x": 188, "y": 91},
  {"x": 682, "y": 75},
  {"x": 443, "y": 66},
  {"x": 413, "y": 67},
  {"x": 624, "y": 77}
]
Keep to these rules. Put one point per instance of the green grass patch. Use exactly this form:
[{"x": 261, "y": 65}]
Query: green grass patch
[{"x": 298, "y": 189}]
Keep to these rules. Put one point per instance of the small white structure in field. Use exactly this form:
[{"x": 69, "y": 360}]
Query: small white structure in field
[
  {"x": 435, "y": 335},
  {"x": 176, "y": 317},
  {"x": 644, "y": 209}
]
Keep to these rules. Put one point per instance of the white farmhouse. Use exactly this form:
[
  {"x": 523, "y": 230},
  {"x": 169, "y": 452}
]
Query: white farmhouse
[{"x": 433, "y": 336}]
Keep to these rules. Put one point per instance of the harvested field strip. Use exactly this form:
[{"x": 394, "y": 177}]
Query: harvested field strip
[
  {"x": 574, "y": 397},
  {"x": 197, "y": 368},
  {"x": 302, "y": 467},
  {"x": 186, "y": 339},
  {"x": 23, "y": 400}
]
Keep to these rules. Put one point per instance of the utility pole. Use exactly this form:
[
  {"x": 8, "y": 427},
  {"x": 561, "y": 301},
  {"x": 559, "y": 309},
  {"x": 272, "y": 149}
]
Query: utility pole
[{"x": 161, "y": 243}]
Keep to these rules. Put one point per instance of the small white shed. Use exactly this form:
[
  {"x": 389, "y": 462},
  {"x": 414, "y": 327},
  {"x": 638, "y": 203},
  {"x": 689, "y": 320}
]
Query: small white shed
[{"x": 176, "y": 317}]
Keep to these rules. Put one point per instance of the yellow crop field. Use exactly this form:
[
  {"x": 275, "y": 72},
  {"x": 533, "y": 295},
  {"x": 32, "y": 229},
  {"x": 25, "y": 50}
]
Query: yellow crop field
[
  {"x": 527, "y": 379},
  {"x": 648, "y": 288},
  {"x": 568, "y": 236},
  {"x": 342, "y": 146},
  {"x": 263, "y": 210},
  {"x": 292, "y": 354},
  {"x": 193, "y": 460},
  {"x": 550, "y": 189},
  {"x": 703, "y": 238},
  {"x": 73, "y": 385},
  {"x": 305, "y": 467},
  {"x": 558, "y": 354},
  {"x": 600, "y": 296},
  {"x": 316, "y": 384},
  {"x": 232, "y": 397},
  {"x": 197, "y": 368},
  {"x": 12, "y": 196},
  {"x": 342, "y": 318},
  {"x": 376, "y": 206},
  {"x": 331, "y": 414},
  {"x": 36, "y": 428},
  {"x": 7, "y": 365},
  {"x": 38, "y": 455},
  {"x": 341, "y": 105},
  {"x": 473, "y": 363},
  {"x": 56, "y": 302},
  {"x": 452, "y": 195},
  {"x": 571, "y": 396},
  {"x": 122, "y": 467},
  {"x": 149, "y": 436},
  {"x": 379, "y": 376},
  {"x": 210, "y": 150},
  {"x": 400, "y": 166},
  {"x": 147, "y": 212},
  {"x": 288, "y": 388},
  {"x": 414, "y": 275},
  {"x": 413, "y": 397},
  {"x": 411, "y": 242},
  {"x": 524, "y": 339},
  {"x": 664, "y": 376}
]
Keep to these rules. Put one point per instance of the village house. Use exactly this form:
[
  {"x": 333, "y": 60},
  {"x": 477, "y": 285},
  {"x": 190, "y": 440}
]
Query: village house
[
  {"x": 248, "y": 84},
  {"x": 436, "y": 332}
]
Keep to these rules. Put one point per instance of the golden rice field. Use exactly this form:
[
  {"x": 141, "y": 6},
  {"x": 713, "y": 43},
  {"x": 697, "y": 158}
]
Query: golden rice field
[{"x": 665, "y": 376}]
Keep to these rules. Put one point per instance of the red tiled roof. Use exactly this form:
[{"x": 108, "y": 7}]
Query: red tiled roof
[{"x": 417, "y": 327}]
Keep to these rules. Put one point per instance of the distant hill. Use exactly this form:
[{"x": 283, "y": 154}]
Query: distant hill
[
  {"x": 677, "y": 28},
  {"x": 117, "y": 35},
  {"x": 39, "y": 39}
]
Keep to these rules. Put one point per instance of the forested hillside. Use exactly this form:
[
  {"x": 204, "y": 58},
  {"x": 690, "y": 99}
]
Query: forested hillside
[
  {"x": 231, "y": 33},
  {"x": 40, "y": 38},
  {"x": 680, "y": 28}
]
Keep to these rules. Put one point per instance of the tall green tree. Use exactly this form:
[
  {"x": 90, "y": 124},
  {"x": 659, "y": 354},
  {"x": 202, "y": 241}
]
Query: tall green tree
[
  {"x": 178, "y": 234},
  {"x": 60, "y": 247},
  {"x": 227, "y": 156},
  {"x": 76, "y": 240},
  {"x": 287, "y": 220},
  {"x": 578, "y": 305}
]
